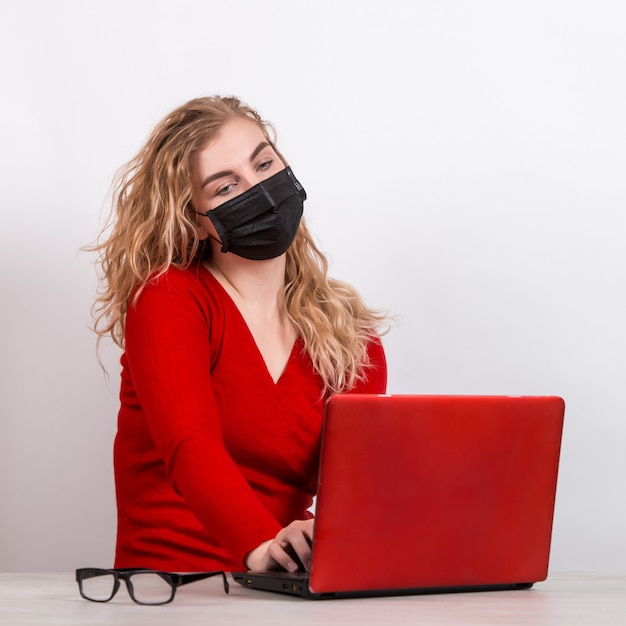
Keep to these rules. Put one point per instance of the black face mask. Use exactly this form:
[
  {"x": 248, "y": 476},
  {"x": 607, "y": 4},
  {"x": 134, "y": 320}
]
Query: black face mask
[{"x": 262, "y": 222}]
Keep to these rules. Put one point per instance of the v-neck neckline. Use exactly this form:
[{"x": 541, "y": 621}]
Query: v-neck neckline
[{"x": 243, "y": 322}]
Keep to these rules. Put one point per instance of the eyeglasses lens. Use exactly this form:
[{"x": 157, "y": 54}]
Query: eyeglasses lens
[
  {"x": 99, "y": 587},
  {"x": 151, "y": 588}
]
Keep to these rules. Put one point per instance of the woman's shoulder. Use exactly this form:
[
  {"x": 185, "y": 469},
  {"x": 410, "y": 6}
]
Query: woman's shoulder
[
  {"x": 180, "y": 287},
  {"x": 374, "y": 378},
  {"x": 194, "y": 278}
]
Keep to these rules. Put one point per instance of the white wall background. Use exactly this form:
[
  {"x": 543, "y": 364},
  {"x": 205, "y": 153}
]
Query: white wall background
[{"x": 466, "y": 168}]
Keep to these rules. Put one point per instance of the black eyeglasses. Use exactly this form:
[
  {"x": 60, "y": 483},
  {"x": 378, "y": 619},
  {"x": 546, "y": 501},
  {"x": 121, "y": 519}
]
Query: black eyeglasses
[{"x": 145, "y": 586}]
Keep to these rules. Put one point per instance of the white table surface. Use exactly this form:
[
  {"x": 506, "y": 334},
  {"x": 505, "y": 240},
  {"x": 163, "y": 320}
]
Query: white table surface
[{"x": 564, "y": 599}]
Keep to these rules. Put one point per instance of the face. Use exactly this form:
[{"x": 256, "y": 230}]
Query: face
[{"x": 237, "y": 158}]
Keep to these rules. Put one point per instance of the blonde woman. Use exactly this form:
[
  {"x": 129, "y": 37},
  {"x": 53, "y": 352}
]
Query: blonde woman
[{"x": 233, "y": 337}]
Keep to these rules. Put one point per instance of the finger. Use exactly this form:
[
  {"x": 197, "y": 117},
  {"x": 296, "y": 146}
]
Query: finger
[
  {"x": 307, "y": 528},
  {"x": 296, "y": 541},
  {"x": 281, "y": 555},
  {"x": 301, "y": 546}
]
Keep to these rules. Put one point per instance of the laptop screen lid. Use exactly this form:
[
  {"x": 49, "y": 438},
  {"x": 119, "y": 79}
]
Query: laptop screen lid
[{"x": 427, "y": 492}]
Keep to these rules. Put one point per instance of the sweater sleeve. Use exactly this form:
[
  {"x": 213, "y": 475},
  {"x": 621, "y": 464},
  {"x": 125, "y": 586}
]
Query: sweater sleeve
[
  {"x": 375, "y": 380},
  {"x": 170, "y": 347}
]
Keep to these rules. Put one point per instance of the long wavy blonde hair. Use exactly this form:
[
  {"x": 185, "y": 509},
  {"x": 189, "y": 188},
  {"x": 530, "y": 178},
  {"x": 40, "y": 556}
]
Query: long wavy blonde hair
[{"x": 150, "y": 229}]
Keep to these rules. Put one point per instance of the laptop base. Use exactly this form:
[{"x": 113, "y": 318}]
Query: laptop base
[{"x": 298, "y": 585}]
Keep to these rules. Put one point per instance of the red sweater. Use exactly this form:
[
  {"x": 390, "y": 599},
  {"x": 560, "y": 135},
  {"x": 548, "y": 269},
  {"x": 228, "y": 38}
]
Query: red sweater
[{"x": 211, "y": 456}]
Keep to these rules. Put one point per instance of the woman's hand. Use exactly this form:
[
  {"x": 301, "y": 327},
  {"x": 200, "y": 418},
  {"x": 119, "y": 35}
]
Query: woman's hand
[{"x": 290, "y": 549}]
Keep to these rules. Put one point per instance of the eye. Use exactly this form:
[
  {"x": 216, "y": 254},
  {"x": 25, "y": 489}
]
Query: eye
[
  {"x": 222, "y": 191},
  {"x": 265, "y": 165}
]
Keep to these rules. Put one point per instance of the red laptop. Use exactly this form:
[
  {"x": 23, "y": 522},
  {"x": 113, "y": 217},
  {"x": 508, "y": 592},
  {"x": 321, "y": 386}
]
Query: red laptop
[{"x": 425, "y": 494}]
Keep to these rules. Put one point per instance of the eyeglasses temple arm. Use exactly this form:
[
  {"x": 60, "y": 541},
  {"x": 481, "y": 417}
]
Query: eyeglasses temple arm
[{"x": 191, "y": 578}]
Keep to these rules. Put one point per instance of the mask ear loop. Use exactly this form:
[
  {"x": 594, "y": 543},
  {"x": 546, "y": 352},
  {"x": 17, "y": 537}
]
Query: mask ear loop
[
  {"x": 224, "y": 249},
  {"x": 206, "y": 214}
]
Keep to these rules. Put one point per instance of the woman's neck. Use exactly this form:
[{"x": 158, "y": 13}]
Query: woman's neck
[
  {"x": 259, "y": 282},
  {"x": 257, "y": 289}
]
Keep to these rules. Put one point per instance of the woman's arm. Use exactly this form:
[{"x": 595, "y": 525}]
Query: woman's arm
[
  {"x": 291, "y": 548},
  {"x": 172, "y": 337}
]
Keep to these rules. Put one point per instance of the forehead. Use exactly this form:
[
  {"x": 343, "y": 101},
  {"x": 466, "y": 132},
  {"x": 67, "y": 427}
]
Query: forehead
[{"x": 236, "y": 139}]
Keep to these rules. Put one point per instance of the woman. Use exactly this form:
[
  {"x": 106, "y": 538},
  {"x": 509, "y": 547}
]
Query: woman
[{"x": 233, "y": 336}]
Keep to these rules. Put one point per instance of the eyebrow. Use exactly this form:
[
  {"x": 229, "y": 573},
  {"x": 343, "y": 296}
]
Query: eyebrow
[{"x": 212, "y": 177}]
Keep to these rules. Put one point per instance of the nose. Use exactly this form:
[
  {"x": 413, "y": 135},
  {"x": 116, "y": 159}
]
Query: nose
[
  {"x": 249, "y": 179},
  {"x": 252, "y": 177}
]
